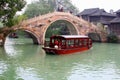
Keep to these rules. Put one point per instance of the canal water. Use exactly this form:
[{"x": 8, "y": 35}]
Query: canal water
[{"x": 21, "y": 60}]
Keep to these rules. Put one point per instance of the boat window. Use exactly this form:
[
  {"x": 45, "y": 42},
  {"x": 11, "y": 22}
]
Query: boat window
[
  {"x": 52, "y": 40},
  {"x": 63, "y": 42},
  {"x": 70, "y": 43},
  {"x": 80, "y": 42},
  {"x": 84, "y": 42},
  {"x": 67, "y": 43},
  {"x": 76, "y": 42}
]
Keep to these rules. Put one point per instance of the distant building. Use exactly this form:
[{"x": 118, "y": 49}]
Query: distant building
[
  {"x": 96, "y": 15},
  {"x": 110, "y": 21},
  {"x": 114, "y": 26}
]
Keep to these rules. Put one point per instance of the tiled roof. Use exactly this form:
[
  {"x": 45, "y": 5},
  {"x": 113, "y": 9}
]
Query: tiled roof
[
  {"x": 116, "y": 20},
  {"x": 105, "y": 22},
  {"x": 102, "y": 12},
  {"x": 118, "y": 11},
  {"x": 88, "y": 11},
  {"x": 96, "y": 12}
]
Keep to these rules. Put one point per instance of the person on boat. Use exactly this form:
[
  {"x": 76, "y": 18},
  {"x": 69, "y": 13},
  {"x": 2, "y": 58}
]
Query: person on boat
[{"x": 56, "y": 44}]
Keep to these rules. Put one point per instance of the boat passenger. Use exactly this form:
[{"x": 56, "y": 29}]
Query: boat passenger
[{"x": 56, "y": 44}]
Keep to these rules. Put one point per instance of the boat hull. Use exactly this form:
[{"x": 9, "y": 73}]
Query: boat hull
[{"x": 64, "y": 51}]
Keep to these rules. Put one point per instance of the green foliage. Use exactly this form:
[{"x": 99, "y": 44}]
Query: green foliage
[
  {"x": 64, "y": 30},
  {"x": 57, "y": 28},
  {"x": 69, "y": 6},
  {"x": 45, "y": 6},
  {"x": 18, "y": 19},
  {"x": 112, "y": 38},
  {"x": 1, "y": 25},
  {"x": 38, "y": 8},
  {"x": 51, "y": 32},
  {"x": 54, "y": 29},
  {"x": 8, "y": 9}
]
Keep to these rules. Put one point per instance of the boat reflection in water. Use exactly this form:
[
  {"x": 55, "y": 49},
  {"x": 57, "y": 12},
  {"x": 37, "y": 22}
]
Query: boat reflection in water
[{"x": 66, "y": 44}]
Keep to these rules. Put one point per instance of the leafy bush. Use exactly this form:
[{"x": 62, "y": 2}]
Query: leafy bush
[
  {"x": 112, "y": 38},
  {"x": 1, "y": 25}
]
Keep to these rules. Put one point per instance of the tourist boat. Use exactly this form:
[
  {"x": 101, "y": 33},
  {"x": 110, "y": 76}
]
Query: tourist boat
[
  {"x": 13, "y": 35},
  {"x": 66, "y": 44}
]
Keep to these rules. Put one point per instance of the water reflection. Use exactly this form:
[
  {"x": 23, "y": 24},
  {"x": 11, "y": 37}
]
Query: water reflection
[
  {"x": 29, "y": 62},
  {"x": 3, "y": 67},
  {"x": 27, "y": 74}
]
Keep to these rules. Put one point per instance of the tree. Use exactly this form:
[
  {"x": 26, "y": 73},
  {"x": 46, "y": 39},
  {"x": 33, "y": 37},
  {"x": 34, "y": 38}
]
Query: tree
[
  {"x": 67, "y": 6},
  {"x": 1, "y": 25},
  {"x": 38, "y": 8},
  {"x": 64, "y": 30},
  {"x": 8, "y": 9},
  {"x": 17, "y": 19},
  {"x": 45, "y": 6},
  {"x": 112, "y": 38}
]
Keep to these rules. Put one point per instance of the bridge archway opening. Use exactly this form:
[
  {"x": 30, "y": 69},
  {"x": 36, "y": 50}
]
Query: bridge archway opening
[
  {"x": 21, "y": 37},
  {"x": 60, "y": 27}
]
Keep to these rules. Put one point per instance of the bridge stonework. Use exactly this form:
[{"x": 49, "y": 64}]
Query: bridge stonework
[{"x": 38, "y": 26}]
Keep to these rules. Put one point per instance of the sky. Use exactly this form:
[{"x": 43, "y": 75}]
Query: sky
[{"x": 102, "y": 4}]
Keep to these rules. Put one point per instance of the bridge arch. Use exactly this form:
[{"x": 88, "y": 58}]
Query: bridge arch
[
  {"x": 71, "y": 26},
  {"x": 33, "y": 36}
]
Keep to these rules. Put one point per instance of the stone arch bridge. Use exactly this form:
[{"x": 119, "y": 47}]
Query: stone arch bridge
[{"x": 38, "y": 26}]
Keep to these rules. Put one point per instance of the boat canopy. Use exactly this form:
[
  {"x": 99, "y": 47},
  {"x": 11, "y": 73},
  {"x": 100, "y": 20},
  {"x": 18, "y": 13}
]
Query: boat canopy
[{"x": 69, "y": 36}]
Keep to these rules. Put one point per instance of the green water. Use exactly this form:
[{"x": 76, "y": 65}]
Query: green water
[{"x": 21, "y": 60}]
